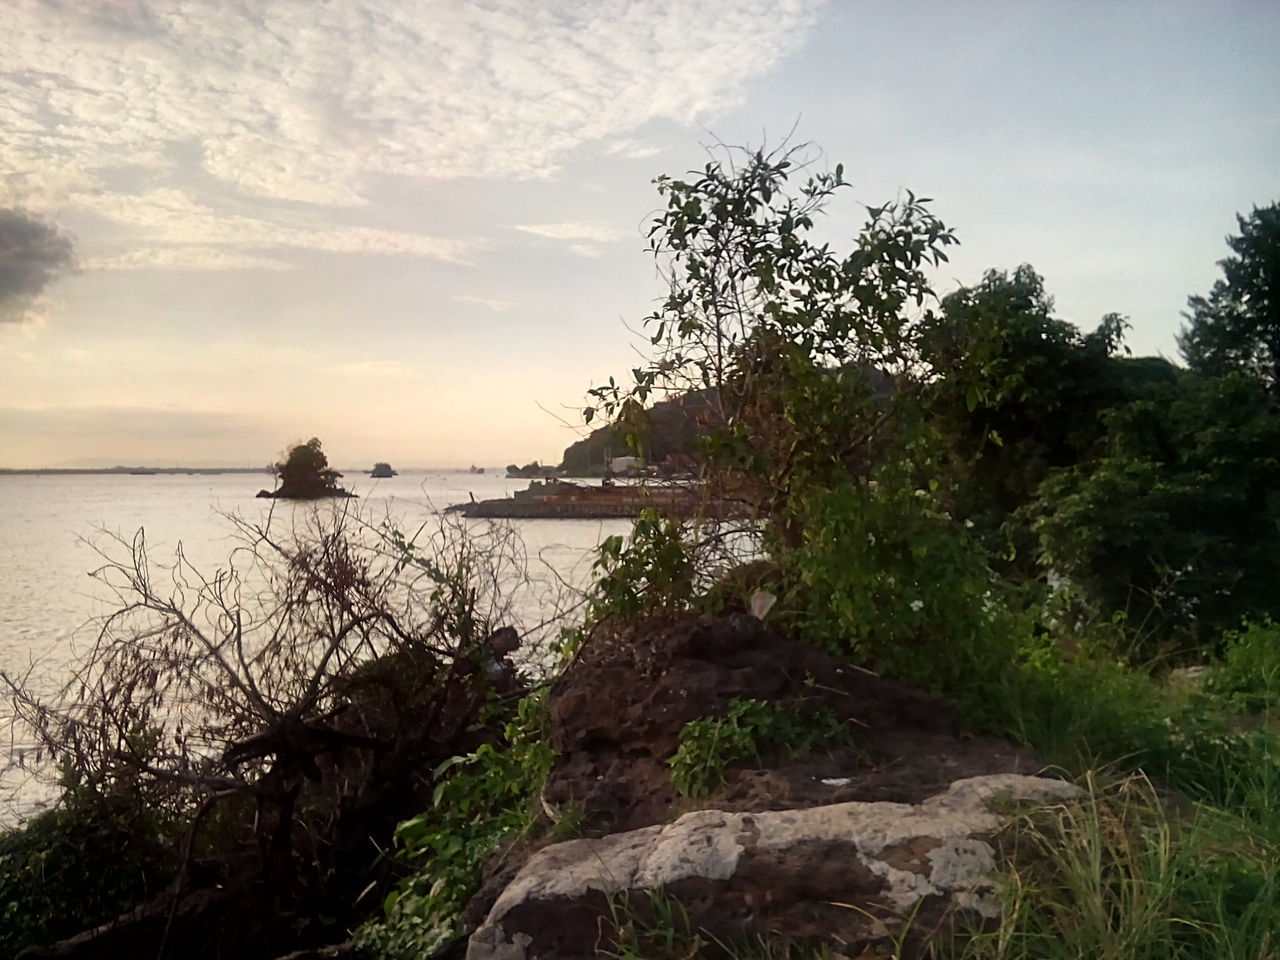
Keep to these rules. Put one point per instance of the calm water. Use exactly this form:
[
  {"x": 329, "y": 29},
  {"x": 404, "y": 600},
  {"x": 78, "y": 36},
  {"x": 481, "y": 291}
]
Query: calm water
[{"x": 48, "y": 525}]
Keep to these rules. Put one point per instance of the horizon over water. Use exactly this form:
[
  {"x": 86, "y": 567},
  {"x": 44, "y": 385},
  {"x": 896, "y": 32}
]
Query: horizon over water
[{"x": 49, "y": 522}]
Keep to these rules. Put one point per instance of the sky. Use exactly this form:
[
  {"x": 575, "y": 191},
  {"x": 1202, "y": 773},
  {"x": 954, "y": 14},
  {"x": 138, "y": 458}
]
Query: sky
[{"x": 415, "y": 229}]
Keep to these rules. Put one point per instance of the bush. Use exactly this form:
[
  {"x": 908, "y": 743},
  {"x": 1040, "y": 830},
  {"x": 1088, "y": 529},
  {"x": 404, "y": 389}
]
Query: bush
[
  {"x": 749, "y": 728},
  {"x": 1248, "y": 676},
  {"x": 886, "y": 577},
  {"x": 482, "y": 800},
  {"x": 77, "y": 866}
]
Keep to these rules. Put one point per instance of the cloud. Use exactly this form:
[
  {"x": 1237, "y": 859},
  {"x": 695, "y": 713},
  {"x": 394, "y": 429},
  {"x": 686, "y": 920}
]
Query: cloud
[
  {"x": 584, "y": 239},
  {"x": 170, "y": 217},
  {"x": 32, "y": 255},
  {"x": 184, "y": 258},
  {"x": 629, "y": 149},
  {"x": 305, "y": 104},
  {"x": 489, "y": 303},
  {"x": 591, "y": 233}
]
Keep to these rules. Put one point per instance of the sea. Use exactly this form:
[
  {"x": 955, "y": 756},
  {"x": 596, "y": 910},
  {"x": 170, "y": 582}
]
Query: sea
[{"x": 56, "y": 529}]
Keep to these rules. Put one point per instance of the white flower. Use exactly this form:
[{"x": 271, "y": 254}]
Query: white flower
[{"x": 917, "y": 605}]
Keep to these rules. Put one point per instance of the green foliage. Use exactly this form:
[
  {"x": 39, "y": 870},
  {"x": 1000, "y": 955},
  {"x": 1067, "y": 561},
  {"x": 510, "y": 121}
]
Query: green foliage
[
  {"x": 1248, "y": 676},
  {"x": 1017, "y": 392},
  {"x": 1077, "y": 704},
  {"x": 481, "y": 801},
  {"x": 789, "y": 342},
  {"x": 304, "y": 473},
  {"x": 1236, "y": 329},
  {"x": 886, "y": 576},
  {"x": 749, "y": 729},
  {"x": 1176, "y": 525},
  {"x": 651, "y": 572},
  {"x": 1116, "y": 876},
  {"x": 75, "y": 866}
]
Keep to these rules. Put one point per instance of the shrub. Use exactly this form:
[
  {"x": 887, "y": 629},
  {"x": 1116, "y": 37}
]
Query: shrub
[
  {"x": 1248, "y": 676},
  {"x": 885, "y": 576},
  {"x": 749, "y": 729},
  {"x": 76, "y": 866},
  {"x": 482, "y": 800}
]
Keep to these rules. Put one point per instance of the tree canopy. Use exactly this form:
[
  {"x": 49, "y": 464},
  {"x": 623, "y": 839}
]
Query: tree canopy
[
  {"x": 889, "y": 438},
  {"x": 304, "y": 474},
  {"x": 1236, "y": 328}
]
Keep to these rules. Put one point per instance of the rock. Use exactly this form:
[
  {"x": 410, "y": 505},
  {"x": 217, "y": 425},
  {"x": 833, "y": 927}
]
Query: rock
[
  {"x": 842, "y": 873},
  {"x": 617, "y": 713}
]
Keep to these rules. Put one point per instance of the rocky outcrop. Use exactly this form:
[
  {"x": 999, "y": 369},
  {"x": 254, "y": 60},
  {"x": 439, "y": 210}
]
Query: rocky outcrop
[
  {"x": 847, "y": 873},
  {"x": 617, "y": 713},
  {"x": 829, "y": 845}
]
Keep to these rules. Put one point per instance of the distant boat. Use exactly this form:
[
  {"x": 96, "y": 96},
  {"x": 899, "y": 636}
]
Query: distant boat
[
  {"x": 381, "y": 471},
  {"x": 475, "y": 469}
]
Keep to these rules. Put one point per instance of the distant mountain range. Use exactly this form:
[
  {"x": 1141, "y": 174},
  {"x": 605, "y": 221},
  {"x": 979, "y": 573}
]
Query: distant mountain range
[{"x": 102, "y": 463}]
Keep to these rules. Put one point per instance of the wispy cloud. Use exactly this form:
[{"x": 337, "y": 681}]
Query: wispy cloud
[
  {"x": 489, "y": 303},
  {"x": 584, "y": 239},
  {"x": 629, "y": 149},
  {"x": 184, "y": 258},
  {"x": 591, "y": 233},
  {"x": 171, "y": 217},
  {"x": 302, "y": 103}
]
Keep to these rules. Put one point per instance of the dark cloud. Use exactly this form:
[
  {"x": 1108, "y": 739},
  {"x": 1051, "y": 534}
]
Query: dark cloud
[{"x": 32, "y": 254}]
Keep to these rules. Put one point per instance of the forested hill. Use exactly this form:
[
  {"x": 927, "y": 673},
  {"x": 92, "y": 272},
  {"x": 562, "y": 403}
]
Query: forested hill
[{"x": 673, "y": 427}]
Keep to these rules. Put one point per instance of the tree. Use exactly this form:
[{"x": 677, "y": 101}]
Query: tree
[
  {"x": 304, "y": 474},
  {"x": 1177, "y": 523},
  {"x": 1018, "y": 392},
  {"x": 1237, "y": 327},
  {"x": 793, "y": 345}
]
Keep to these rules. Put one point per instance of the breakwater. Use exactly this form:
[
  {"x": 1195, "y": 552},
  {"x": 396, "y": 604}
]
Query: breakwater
[{"x": 556, "y": 499}]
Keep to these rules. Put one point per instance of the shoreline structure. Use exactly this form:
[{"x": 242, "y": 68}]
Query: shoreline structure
[{"x": 561, "y": 500}]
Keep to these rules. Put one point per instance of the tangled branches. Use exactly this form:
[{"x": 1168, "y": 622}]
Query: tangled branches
[{"x": 303, "y": 693}]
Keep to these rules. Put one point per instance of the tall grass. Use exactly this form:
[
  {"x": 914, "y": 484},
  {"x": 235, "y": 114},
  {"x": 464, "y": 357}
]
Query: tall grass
[
  {"x": 1174, "y": 852},
  {"x": 1118, "y": 875}
]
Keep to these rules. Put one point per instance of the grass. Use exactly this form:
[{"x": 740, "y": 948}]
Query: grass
[
  {"x": 1174, "y": 853},
  {"x": 1118, "y": 876}
]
